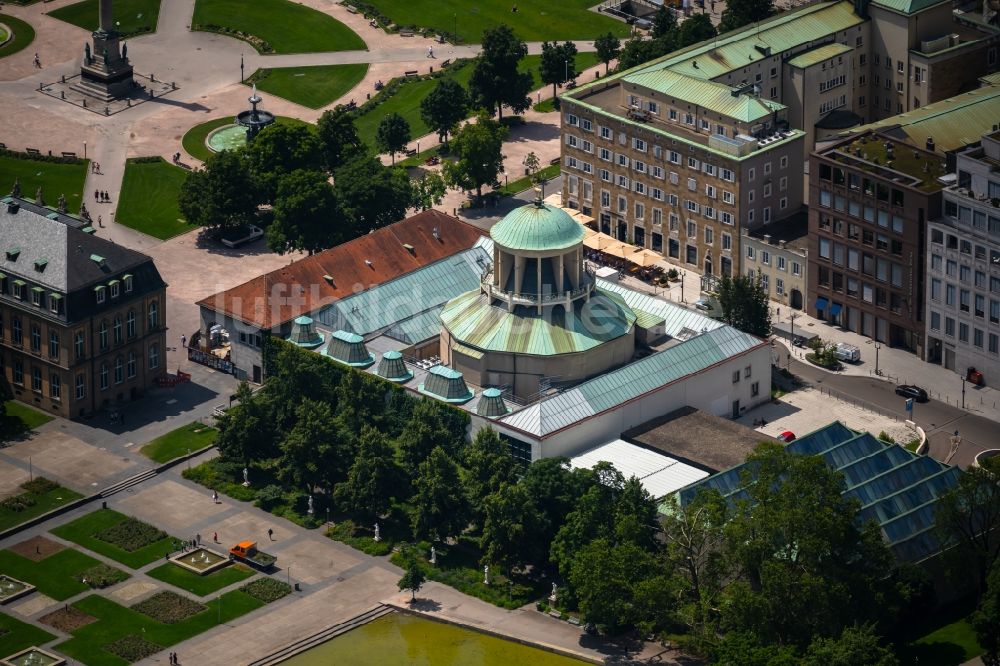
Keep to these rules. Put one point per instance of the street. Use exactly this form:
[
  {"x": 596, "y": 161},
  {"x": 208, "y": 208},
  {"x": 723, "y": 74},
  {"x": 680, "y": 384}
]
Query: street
[{"x": 939, "y": 420}]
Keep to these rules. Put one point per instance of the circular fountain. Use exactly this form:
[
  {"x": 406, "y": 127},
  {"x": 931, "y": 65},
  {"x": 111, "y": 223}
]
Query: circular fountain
[{"x": 248, "y": 124}]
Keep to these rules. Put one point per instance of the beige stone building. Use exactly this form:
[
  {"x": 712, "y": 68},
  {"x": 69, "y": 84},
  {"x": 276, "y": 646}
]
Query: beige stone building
[
  {"x": 779, "y": 254},
  {"x": 82, "y": 320},
  {"x": 683, "y": 153}
]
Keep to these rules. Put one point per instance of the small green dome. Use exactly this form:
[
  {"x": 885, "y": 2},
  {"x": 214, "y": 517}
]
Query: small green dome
[{"x": 537, "y": 226}]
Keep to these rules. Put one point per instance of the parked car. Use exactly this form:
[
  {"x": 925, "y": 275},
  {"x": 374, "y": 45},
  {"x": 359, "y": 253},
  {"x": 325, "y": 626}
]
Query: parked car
[
  {"x": 911, "y": 391},
  {"x": 787, "y": 436},
  {"x": 846, "y": 352},
  {"x": 703, "y": 304}
]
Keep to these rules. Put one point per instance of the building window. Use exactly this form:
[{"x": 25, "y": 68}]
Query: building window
[
  {"x": 36, "y": 379},
  {"x": 101, "y": 293},
  {"x": 128, "y": 283},
  {"x": 103, "y": 377},
  {"x": 116, "y": 329},
  {"x": 78, "y": 349},
  {"x": 130, "y": 324},
  {"x": 15, "y": 331},
  {"x": 53, "y": 344},
  {"x": 755, "y": 389},
  {"x": 102, "y": 335},
  {"x": 130, "y": 365},
  {"x": 746, "y": 372},
  {"x": 17, "y": 371},
  {"x": 779, "y": 286},
  {"x": 114, "y": 288},
  {"x": 81, "y": 387},
  {"x": 154, "y": 316},
  {"x": 119, "y": 370},
  {"x": 55, "y": 386},
  {"x": 154, "y": 357},
  {"x": 736, "y": 376},
  {"x": 36, "y": 338}
]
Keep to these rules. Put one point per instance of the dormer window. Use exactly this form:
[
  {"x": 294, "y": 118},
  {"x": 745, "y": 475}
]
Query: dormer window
[
  {"x": 115, "y": 285},
  {"x": 13, "y": 253},
  {"x": 55, "y": 303},
  {"x": 36, "y": 296},
  {"x": 41, "y": 264},
  {"x": 101, "y": 293},
  {"x": 127, "y": 279},
  {"x": 19, "y": 289}
]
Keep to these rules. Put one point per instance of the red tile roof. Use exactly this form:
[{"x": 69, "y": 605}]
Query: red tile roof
[{"x": 271, "y": 299}]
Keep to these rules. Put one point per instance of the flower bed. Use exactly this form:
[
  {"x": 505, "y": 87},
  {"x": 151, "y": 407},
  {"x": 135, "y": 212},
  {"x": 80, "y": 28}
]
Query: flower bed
[
  {"x": 132, "y": 648},
  {"x": 131, "y": 534},
  {"x": 266, "y": 589},
  {"x": 168, "y": 607},
  {"x": 101, "y": 576}
]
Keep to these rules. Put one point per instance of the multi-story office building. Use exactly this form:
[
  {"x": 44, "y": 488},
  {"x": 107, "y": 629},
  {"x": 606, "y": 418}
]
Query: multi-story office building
[
  {"x": 725, "y": 126},
  {"x": 870, "y": 200},
  {"x": 963, "y": 267},
  {"x": 779, "y": 253},
  {"x": 82, "y": 320}
]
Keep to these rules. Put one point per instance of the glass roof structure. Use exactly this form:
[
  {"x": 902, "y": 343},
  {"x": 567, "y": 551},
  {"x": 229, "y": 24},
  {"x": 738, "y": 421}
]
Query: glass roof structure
[{"x": 896, "y": 488}]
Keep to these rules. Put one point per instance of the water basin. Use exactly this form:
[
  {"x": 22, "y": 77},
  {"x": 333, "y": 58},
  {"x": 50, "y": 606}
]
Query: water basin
[
  {"x": 407, "y": 640},
  {"x": 227, "y": 137},
  {"x": 33, "y": 656},
  {"x": 12, "y": 588},
  {"x": 201, "y": 560}
]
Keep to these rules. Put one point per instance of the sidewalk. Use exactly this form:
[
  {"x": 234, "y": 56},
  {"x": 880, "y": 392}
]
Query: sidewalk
[{"x": 898, "y": 366}]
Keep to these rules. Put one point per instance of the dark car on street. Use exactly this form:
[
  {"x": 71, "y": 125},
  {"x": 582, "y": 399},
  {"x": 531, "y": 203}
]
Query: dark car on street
[{"x": 910, "y": 391}]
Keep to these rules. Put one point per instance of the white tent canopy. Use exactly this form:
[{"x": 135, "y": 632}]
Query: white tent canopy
[{"x": 659, "y": 474}]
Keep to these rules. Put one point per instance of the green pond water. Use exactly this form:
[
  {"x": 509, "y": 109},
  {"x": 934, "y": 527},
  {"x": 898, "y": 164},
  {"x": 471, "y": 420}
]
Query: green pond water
[
  {"x": 404, "y": 639},
  {"x": 227, "y": 137}
]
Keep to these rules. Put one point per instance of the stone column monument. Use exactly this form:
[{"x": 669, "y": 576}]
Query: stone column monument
[{"x": 106, "y": 73}]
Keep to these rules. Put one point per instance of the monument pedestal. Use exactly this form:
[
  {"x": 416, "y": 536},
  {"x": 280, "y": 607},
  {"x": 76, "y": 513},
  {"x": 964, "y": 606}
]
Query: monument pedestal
[{"x": 106, "y": 73}]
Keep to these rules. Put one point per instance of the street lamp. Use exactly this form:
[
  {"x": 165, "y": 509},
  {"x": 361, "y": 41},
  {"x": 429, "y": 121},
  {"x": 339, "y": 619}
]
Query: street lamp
[
  {"x": 963, "y": 392},
  {"x": 242, "y": 78},
  {"x": 878, "y": 346}
]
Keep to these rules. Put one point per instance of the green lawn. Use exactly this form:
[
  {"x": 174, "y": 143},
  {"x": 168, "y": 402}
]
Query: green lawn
[
  {"x": 406, "y": 101},
  {"x": 44, "y": 502},
  {"x": 20, "y": 635},
  {"x": 287, "y": 27},
  {"x": 55, "y": 178},
  {"x": 521, "y": 184},
  {"x": 200, "y": 585},
  {"x": 148, "y": 200},
  {"x": 534, "y": 21},
  {"x": 53, "y": 576},
  {"x": 134, "y": 17},
  {"x": 27, "y": 417},
  {"x": 183, "y": 440},
  {"x": 83, "y": 529},
  {"x": 949, "y": 645},
  {"x": 116, "y": 621},
  {"x": 194, "y": 139},
  {"x": 24, "y": 34},
  {"x": 314, "y": 87}
]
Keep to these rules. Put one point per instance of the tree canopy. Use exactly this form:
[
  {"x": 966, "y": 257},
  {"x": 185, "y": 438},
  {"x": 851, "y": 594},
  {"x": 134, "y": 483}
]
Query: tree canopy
[
  {"x": 392, "y": 135},
  {"x": 446, "y": 105},
  {"x": 744, "y": 304},
  {"x": 558, "y": 64},
  {"x": 306, "y": 214},
  {"x": 739, "y": 13},
  {"x": 496, "y": 80},
  {"x": 371, "y": 195},
  {"x": 279, "y": 150},
  {"x": 338, "y": 137},
  {"x": 608, "y": 47},
  {"x": 478, "y": 147},
  {"x": 222, "y": 194}
]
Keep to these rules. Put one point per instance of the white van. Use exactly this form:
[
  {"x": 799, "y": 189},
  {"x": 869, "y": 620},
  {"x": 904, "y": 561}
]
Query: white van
[{"x": 848, "y": 353}]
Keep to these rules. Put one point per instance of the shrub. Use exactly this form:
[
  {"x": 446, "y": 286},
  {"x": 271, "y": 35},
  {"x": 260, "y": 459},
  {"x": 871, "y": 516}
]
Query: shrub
[
  {"x": 132, "y": 648},
  {"x": 266, "y": 589},
  {"x": 131, "y": 534},
  {"x": 17, "y": 503},
  {"x": 269, "y": 496},
  {"x": 886, "y": 437},
  {"x": 39, "y": 485},
  {"x": 168, "y": 607},
  {"x": 101, "y": 576}
]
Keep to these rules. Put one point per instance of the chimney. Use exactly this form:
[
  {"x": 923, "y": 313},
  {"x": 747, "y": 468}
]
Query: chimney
[
  {"x": 930, "y": 143},
  {"x": 767, "y": 238},
  {"x": 781, "y": 243}
]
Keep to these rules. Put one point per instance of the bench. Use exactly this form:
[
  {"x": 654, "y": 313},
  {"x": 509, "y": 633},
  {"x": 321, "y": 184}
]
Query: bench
[
  {"x": 412, "y": 72},
  {"x": 406, "y": 32},
  {"x": 411, "y": 152},
  {"x": 554, "y": 160},
  {"x": 33, "y": 151},
  {"x": 3, "y": 146},
  {"x": 445, "y": 63},
  {"x": 351, "y": 9},
  {"x": 66, "y": 154}
]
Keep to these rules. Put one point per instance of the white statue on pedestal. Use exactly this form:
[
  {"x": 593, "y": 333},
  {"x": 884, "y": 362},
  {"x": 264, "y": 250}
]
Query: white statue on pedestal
[
  {"x": 310, "y": 509},
  {"x": 434, "y": 555},
  {"x": 486, "y": 574},
  {"x": 246, "y": 477},
  {"x": 377, "y": 536}
]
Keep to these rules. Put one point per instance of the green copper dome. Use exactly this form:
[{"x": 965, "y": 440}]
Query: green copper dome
[{"x": 537, "y": 226}]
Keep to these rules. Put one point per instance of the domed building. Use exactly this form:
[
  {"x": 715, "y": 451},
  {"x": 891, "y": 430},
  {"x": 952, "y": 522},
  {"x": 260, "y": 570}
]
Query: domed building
[{"x": 538, "y": 318}]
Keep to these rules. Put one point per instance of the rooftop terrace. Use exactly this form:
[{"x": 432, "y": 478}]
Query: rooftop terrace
[{"x": 888, "y": 159}]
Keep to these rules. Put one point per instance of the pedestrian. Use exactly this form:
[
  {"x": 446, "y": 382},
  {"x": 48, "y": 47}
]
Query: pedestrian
[
  {"x": 215, "y": 537},
  {"x": 270, "y": 534},
  {"x": 197, "y": 538},
  {"x": 215, "y": 496},
  {"x": 99, "y": 222},
  {"x": 166, "y": 556},
  {"x": 184, "y": 342},
  {"x": 38, "y": 63},
  {"x": 430, "y": 51},
  {"x": 99, "y": 168},
  {"x": 97, "y": 195}
]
